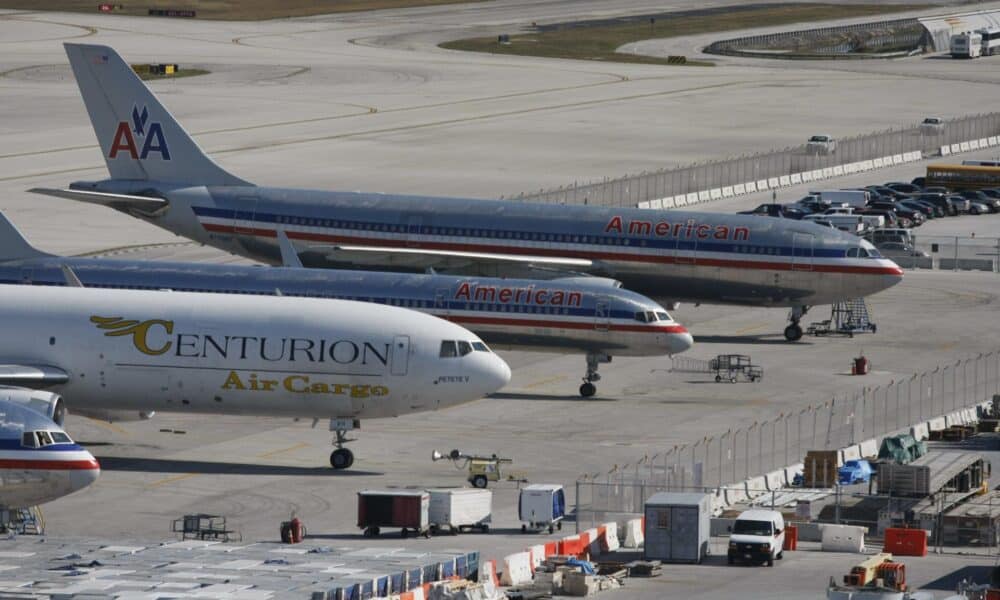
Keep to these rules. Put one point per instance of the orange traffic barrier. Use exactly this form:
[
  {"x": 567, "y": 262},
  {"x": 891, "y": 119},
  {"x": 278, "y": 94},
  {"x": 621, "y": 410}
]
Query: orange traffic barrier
[
  {"x": 551, "y": 549},
  {"x": 791, "y": 538},
  {"x": 905, "y": 542}
]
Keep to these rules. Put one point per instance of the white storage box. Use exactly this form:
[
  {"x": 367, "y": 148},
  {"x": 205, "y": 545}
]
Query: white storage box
[{"x": 461, "y": 508}]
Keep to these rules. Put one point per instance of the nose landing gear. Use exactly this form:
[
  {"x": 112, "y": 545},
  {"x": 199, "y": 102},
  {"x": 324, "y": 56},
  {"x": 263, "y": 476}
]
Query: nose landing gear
[
  {"x": 793, "y": 332},
  {"x": 588, "y": 388},
  {"x": 342, "y": 458}
]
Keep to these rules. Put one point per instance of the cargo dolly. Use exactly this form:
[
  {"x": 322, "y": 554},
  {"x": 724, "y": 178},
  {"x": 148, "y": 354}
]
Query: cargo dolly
[{"x": 732, "y": 367}]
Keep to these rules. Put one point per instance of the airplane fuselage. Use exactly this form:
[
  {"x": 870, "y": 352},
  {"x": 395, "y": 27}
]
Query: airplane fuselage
[
  {"x": 666, "y": 255},
  {"x": 294, "y": 357}
]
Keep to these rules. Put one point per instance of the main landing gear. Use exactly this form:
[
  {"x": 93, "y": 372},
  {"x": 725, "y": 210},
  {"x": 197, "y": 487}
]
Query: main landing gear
[
  {"x": 342, "y": 458},
  {"x": 588, "y": 388},
  {"x": 793, "y": 332}
]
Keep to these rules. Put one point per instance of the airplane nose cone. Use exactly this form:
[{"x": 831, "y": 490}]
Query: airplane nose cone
[
  {"x": 499, "y": 375},
  {"x": 680, "y": 342},
  {"x": 86, "y": 475}
]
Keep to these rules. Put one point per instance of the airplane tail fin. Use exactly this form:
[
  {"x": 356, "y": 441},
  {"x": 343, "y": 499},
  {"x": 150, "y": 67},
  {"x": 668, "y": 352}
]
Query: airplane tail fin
[
  {"x": 13, "y": 245},
  {"x": 139, "y": 138}
]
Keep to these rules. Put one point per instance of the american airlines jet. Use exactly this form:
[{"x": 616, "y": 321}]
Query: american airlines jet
[
  {"x": 159, "y": 174},
  {"x": 124, "y": 353},
  {"x": 38, "y": 462},
  {"x": 587, "y": 315}
]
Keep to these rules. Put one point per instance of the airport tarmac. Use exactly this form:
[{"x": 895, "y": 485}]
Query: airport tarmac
[{"x": 365, "y": 101}]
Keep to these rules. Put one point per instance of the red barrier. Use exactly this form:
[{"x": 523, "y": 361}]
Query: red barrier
[
  {"x": 551, "y": 549},
  {"x": 791, "y": 538},
  {"x": 905, "y": 542}
]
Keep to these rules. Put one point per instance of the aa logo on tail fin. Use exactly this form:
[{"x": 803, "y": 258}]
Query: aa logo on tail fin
[{"x": 139, "y": 138}]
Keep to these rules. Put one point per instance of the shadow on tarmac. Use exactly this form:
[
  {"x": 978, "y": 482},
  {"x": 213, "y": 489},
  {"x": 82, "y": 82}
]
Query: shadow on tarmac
[
  {"x": 163, "y": 465},
  {"x": 769, "y": 339},
  {"x": 549, "y": 398}
]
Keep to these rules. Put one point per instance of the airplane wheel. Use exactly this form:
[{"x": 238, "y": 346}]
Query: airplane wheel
[
  {"x": 341, "y": 458},
  {"x": 588, "y": 389},
  {"x": 479, "y": 481},
  {"x": 793, "y": 332}
]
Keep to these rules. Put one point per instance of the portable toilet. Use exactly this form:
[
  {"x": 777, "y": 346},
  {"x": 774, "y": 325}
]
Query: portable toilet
[
  {"x": 677, "y": 528},
  {"x": 541, "y": 506}
]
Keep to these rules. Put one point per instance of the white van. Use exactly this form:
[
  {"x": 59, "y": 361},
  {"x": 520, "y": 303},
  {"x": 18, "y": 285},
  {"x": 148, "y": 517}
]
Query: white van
[{"x": 757, "y": 536}]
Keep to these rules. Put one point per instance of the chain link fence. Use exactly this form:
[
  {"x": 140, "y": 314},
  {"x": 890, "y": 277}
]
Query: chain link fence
[
  {"x": 770, "y": 168},
  {"x": 769, "y": 445}
]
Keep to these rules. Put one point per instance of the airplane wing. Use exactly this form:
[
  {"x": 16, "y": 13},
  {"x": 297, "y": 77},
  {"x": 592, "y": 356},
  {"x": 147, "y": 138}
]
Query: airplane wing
[
  {"x": 441, "y": 259},
  {"x": 122, "y": 202},
  {"x": 32, "y": 376}
]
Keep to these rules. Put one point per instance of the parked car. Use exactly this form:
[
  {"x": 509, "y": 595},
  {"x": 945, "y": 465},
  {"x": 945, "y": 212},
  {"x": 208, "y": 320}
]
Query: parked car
[
  {"x": 982, "y": 198},
  {"x": 776, "y": 210},
  {"x": 932, "y": 126},
  {"x": 904, "y": 188},
  {"x": 757, "y": 536},
  {"x": 929, "y": 210},
  {"x": 915, "y": 217},
  {"x": 940, "y": 201},
  {"x": 978, "y": 208},
  {"x": 919, "y": 181},
  {"x": 821, "y": 144},
  {"x": 898, "y": 249},
  {"x": 854, "y": 471},
  {"x": 887, "y": 192},
  {"x": 892, "y": 220},
  {"x": 936, "y": 189},
  {"x": 960, "y": 203}
]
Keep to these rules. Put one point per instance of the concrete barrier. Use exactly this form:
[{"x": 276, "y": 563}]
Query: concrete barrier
[
  {"x": 973, "y": 144},
  {"x": 762, "y": 185},
  {"x": 936, "y": 424},
  {"x": 692, "y": 198},
  {"x": 739, "y": 189},
  {"x": 972, "y": 416},
  {"x": 963, "y": 147},
  {"x": 796, "y": 178},
  {"x": 727, "y": 191},
  {"x": 735, "y": 492},
  {"x": 516, "y": 569},
  {"x": 838, "y": 170},
  {"x": 869, "y": 448},
  {"x": 704, "y": 196},
  {"x": 827, "y": 172},
  {"x": 755, "y": 487},
  {"x": 784, "y": 180},
  {"x": 877, "y": 163},
  {"x": 772, "y": 182},
  {"x": 634, "y": 535},
  {"x": 992, "y": 140},
  {"x": 807, "y": 176},
  {"x": 955, "y": 418},
  {"x": 751, "y": 187},
  {"x": 657, "y": 204},
  {"x": 843, "y": 538},
  {"x": 715, "y": 193},
  {"x": 610, "y": 542},
  {"x": 809, "y": 532},
  {"x": 920, "y": 432},
  {"x": 537, "y": 554},
  {"x": 945, "y": 150},
  {"x": 775, "y": 480}
]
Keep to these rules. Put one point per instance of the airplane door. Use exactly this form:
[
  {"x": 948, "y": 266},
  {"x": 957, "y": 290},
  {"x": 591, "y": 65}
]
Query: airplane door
[
  {"x": 413, "y": 225},
  {"x": 243, "y": 216},
  {"x": 441, "y": 301},
  {"x": 602, "y": 314},
  {"x": 400, "y": 354},
  {"x": 686, "y": 252},
  {"x": 802, "y": 251}
]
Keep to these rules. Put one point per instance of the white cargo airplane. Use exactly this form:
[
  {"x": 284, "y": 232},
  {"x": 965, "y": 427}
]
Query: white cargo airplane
[
  {"x": 141, "y": 351},
  {"x": 38, "y": 462}
]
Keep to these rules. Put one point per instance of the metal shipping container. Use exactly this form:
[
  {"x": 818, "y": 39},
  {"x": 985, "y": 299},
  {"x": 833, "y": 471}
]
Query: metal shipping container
[
  {"x": 677, "y": 527},
  {"x": 406, "y": 510}
]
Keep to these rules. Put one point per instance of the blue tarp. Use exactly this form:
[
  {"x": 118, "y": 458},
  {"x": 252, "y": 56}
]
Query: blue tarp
[{"x": 586, "y": 567}]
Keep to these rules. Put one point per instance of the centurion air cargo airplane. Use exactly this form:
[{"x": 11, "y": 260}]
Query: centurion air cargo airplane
[
  {"x": 38, "y": 461},
  {"x": 160, "y": 175},
  {"x": 138, "y": 351},
  {"x": 589, "y": 315}
]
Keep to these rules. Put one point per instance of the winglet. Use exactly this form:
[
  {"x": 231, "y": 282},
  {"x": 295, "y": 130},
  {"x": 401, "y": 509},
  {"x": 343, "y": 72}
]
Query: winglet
[
  {"x": 289, "y": 257},
  {"x": 13, "y": 245}
]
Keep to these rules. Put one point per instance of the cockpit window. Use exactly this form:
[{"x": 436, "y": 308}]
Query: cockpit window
[
  {"x": 448, "y": 349},
  {"x": 464, "y": 348},
  {"x": 853, "y": 252},
  {"x": 39, "y": 439},
  {"x": 873, "y": 253},
  {"x": 640, "y": 316},
  {"x": 663, "y": 315},
  {"x": 480, "y": 347}
]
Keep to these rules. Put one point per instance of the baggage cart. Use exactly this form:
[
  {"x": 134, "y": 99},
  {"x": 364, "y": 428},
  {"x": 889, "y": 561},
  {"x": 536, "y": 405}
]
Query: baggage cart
[
  {"x": 460, "y": 509},
  {"x": 541, "y": 506},
  {"x": 731, "y": 367},
  {"x": 407, "y": 510}
]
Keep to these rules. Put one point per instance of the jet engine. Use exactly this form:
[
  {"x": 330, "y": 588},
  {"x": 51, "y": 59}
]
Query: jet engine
[{"x": 51, "y": 405}]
